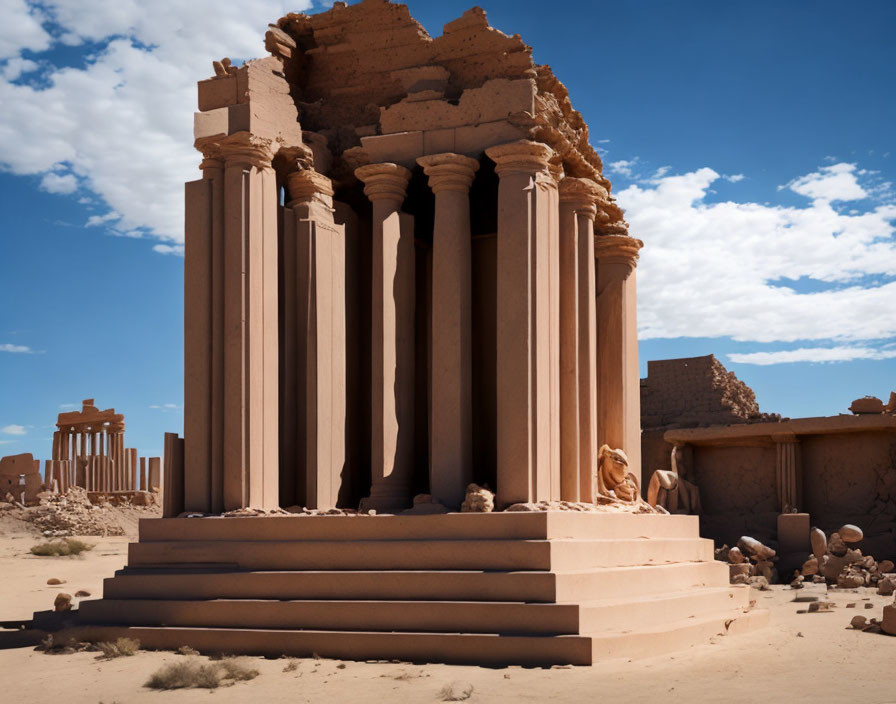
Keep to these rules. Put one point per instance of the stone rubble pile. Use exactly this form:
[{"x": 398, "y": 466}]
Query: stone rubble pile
[
  {"x": 72, "y": 513},
  {"x": 833, "y": 561},
  {"x": 750, "y": 562}
]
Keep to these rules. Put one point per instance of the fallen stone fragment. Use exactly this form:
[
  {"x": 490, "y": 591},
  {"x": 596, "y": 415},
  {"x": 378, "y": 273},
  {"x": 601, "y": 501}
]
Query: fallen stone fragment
[
  {"x": 821, "y": 606},
  {"x": 758, "y": 582},
  {"x": 850, "y": 533},
  {"x": 858, "y": 622},
  {"x": 836, "y": 545},
  {"x": 819, "y": 543},
  {"x": 885, "y": 566},
  {"x": 851, "y": 605},
  {"x": 810, "y": 567},
  {"x": 63, "y": 602},
  {"x": 53, "y": 580},
  {"x": 478, "y": 499},
  {"x": 735, "y": 556},
  {"x": 82, "y": 592},
  {"x": 755, "y": 548},
  {"x": 886, "y": 586}
]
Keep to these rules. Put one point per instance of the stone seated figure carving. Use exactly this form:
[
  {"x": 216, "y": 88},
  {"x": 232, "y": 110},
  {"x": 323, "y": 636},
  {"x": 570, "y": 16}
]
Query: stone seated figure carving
[
  {"x": 614, "y": 481},
  {"x": 671, "y": 491}
]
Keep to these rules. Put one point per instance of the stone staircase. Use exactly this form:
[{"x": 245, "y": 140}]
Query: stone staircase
[{"x": 500, "y": 588}]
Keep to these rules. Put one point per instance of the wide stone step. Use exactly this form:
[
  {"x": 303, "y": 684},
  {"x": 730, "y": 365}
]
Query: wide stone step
[
  {"x": 557, "y": 555},
  {"x": 674, "y": 636},
  {"x": 413, "y": 616},
  {"x": 628, "y": 613},
  {"x": 419, "y": 585},
  {"x": 458, "y": 648},
  {"x": 626, "y": 582},
  {"x": 456, "y": 526}
]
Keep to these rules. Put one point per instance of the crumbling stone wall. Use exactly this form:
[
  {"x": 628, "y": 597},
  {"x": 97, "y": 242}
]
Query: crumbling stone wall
[{"x": 695, "y": 391}]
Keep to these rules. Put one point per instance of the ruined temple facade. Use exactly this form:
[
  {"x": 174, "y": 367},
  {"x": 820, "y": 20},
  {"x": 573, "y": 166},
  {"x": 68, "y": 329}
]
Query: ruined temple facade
[{"x": 404, "y": 273}]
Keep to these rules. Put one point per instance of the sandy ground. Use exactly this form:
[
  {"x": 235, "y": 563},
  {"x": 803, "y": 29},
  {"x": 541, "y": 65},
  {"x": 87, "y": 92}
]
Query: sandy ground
[{"x": 799, "y": 657}]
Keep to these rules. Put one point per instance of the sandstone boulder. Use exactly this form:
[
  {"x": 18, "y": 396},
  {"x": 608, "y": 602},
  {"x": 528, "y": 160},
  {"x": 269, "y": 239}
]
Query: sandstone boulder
[
  {"x": 63, "y": 602},
  {"x": 850, "y": 533},
  {"x": 819, "y": 542},
  {"x": 753, "y": 547}
]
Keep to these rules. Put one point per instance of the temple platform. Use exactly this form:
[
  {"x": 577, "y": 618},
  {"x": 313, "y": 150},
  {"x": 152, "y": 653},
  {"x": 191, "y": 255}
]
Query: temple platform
[{"x": 535, "y": 588}]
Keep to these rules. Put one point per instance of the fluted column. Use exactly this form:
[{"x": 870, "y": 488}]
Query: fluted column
[
  {"x": 526, "y": 377},
  {"x": 451, "y": 399},
  {"x": 315, "y": 339},
  {"x": 618, "y": 382},
  {"x": 392, "y": 337},
  {"x": 578, "y": 363},
  {"x": 788, "y": 472}
]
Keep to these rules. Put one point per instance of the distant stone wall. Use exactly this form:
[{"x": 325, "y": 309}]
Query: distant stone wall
[{"x": 695, "y": 391}]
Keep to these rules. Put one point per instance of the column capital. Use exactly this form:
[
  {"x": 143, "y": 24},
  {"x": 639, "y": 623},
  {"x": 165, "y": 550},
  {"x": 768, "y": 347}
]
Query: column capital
[
  {"x": 385, "y": 181},
  {"x": 582, "y": 193},
  {"x": 521, "y": 156},
  {"x": 617, "y": 249},
  {"x": 785, "y": 438},
  {"x": 238, "y": 148},
  {"x": 309, "y": 185},
  {"x": 449, "y": 172}
]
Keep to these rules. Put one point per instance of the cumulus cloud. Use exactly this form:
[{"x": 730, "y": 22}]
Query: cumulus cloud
[
  {"x": 13, "y": 429},
  {"x": 122, "y": 122},
  {"x": 812, "y": 354},
  {"x": 59, "y": 183},
  {"x": 21, "y": 349},
  {"x": 837, "y": 182},
  {"x": 625, "y": 167},
  {"x": 719, "y": 269}
]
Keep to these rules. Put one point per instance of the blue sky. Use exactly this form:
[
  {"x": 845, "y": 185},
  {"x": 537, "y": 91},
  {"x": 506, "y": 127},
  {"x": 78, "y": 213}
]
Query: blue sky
[{"x": 751, "y": 145}]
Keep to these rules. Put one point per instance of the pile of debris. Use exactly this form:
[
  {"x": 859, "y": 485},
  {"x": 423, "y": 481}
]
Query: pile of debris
[
  {"x": 72, "y": 513},
  {"x": 835, "y": 562},
  {"x": 750, "y": 562}
]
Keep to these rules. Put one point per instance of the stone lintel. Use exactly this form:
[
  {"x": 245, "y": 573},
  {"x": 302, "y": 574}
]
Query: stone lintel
[
  {"x": 449, "y": 172},
  {"x": 384, "y": 181}
]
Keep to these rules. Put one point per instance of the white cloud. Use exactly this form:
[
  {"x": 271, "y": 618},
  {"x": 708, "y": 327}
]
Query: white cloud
[
  {"x": 830, "y": 183},
  {"x": 123, "y": 122},
  {"x": 13, "y": 429},
  {"x": 68, "y": 405},
  {"x": 177, "y": 249},
  {"x": 812, "y": 354},
  {"x": 15, "y": 67},
  {"x": 7, "y": 347},
  {"x": 59, "y": 183},
  {"x": 734, "y": 178},
  {"x": 96, "y": 220},
  {"x": 624, "y": 167},
  {"x": 168, "y": 407},
  {"x": 21, "y": 28},
  {"x": 715, "y": 269}
]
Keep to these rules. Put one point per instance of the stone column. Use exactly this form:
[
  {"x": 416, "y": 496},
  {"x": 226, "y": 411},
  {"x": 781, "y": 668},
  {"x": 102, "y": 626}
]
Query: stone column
[
  {"x": 451, "y": 397},
  {"x": 250, "y": 328},
  {"x": 142, "y": 486},
  {"x": 578, "y": 339},
  {"x": 618, "y": 382},
  {"x": 316, "y": 336},
  {"x": 788, "y": 472},
  {"x": 526, "y": 378},
  {"x": 392, "y": 337}
]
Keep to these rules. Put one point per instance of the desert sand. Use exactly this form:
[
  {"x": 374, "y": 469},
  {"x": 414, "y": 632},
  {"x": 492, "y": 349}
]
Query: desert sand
[{"x": 799, "y": 657}]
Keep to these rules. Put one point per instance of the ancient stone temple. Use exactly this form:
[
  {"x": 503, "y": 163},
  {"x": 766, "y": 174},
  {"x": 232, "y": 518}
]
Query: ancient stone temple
[{"x": 405, "y": 273}]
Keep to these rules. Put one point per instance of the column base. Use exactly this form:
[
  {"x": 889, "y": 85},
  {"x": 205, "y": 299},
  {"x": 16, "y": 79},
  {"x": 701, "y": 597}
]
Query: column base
[{"x": 384, "y": 504}]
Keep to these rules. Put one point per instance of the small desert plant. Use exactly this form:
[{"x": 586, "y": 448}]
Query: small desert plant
[
  {"x": 186, "y": 650},
  {"x": 456, "y": 692},
  {"x": 291, "y": 666},
  {"x": 61, "y": 548},
  {"x": 205, "y": 675},
  {"x": 122, "y": 647}
]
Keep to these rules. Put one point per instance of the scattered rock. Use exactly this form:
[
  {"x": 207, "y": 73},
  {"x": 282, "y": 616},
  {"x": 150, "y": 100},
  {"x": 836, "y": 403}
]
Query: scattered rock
[
  {"x": 735, "y": 556},
  {"x": 886, "y": 586},
  {"x": 885, "y": 566},
  {"x": 797, "y": 582},
  {"x": 850, "y": 533},
  {"x": 478, "y": 500},
  {"x": 758, "y": 582},
  {"x": 821, "y": 606},
  {"x": 82, "y": 593},
  {"x": 456, "y": 692},
  {"x": 858, "y": 622},
  {"x": 53, "y": 580},
  {"x": 819, "y": 543},
  {"x": 754, "y": 548},
  {"x": 63, "y": 602},
  {"x": 836, "y": 545},
  {"x": 810, "y": 567}
]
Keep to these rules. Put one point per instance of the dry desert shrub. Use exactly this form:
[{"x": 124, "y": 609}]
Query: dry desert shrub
[
  {"x": 122, "y": 647},
  {"x": 61, "y": 548},
  {"x": 193, "y": 673},
  {"x": 456, "y": 692}
]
